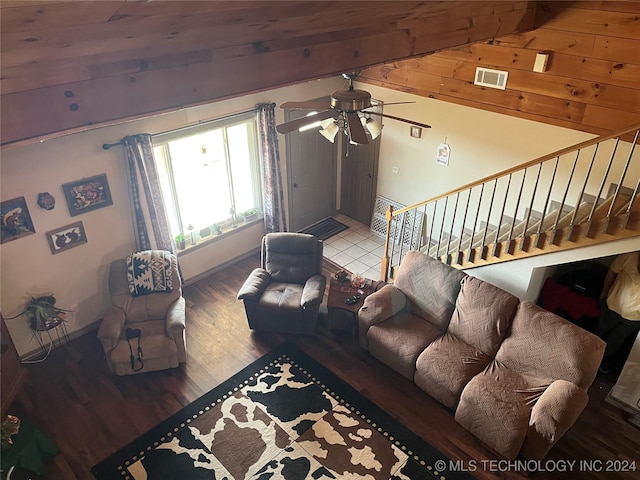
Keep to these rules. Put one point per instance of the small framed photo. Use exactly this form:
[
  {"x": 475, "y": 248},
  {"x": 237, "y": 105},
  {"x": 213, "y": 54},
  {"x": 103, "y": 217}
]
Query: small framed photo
[
  {"x": 87, "y": 194},
  {"x": 66, "y": 237},
  {"x": 16, "y": 221}
]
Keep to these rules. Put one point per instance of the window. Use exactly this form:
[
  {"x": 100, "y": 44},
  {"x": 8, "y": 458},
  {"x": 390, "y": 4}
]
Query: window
[{"x": 208, "y": 171}]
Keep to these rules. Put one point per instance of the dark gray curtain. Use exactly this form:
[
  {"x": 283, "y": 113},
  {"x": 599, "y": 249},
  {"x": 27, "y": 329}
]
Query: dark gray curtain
[
  {"x": 273, "y": 202},
  {"x": 151, "y": 223}
]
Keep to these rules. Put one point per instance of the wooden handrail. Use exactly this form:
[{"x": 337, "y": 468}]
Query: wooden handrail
[{"x": 522, "y": 166}]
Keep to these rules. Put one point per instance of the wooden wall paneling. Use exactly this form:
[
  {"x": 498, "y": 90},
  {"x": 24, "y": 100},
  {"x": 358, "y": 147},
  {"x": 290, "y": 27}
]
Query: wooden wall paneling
[
  {"x": 586, "y": 91},
  {"x": 28, "y": 77},
  {"x": 616, "y": 49},
  {"x": 570, "y": 66},
  {"x": 27, "y": 16},
  {"x": 596, "y": 22},
  {"x": 608, "y": 118},
  {"x": 455, "y": 28},
  {"x": 491, "y": 55},
  {"x": 592, "y": 82},
  {"x": 556, "y": 41},
  {"x": 105, "y": 99}
]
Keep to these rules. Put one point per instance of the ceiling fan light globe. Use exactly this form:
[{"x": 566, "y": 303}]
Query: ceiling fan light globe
[
  {"x": 326, "y": 123},
  {"x": 374, "y": 127},
  {"x": 330, "y": 132}
]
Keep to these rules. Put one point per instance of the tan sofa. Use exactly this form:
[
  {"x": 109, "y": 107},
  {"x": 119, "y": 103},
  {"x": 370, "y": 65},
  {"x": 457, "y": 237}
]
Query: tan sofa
[{"x": 515, "y": 375}]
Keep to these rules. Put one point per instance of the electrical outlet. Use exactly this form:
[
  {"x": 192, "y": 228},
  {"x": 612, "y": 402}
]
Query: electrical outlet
[
  {"x": 416, "y": 132},
  {"x": 394, "y": 170}
]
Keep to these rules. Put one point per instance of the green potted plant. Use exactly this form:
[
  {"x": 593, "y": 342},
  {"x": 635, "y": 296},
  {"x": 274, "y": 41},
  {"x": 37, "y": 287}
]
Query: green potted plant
[
  {"x": 250, "y": 215},
  {"x": 9, "y": 426},
  {"x": 43, "y": 314},
  {"x": 180, "y": 241}
]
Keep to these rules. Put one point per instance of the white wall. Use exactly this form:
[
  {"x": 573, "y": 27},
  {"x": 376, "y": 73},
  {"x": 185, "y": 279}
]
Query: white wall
[
  {"x": 78, "y": 276},
  {"x": 482, "y": 143}
]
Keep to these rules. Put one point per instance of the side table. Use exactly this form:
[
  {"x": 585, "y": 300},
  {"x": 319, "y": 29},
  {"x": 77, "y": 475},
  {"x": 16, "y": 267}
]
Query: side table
[{"x": 339, "y": 291}]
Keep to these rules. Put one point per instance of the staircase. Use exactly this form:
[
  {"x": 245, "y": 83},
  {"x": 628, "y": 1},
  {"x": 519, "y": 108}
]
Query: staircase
[{"x": 581, "y": 195}]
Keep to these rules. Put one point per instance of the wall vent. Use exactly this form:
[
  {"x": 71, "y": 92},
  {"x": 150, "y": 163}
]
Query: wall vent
[{"x": 491, "y": 78}]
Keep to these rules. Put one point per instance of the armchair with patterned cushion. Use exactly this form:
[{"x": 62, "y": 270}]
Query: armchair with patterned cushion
[
  {"x": 285, "y": 293},
  {"x": 147, "y": 311}
]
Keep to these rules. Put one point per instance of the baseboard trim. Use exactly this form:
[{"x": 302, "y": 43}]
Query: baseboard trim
[
  {"x": 36, "y": 354},
  {"x": 222, "y": 266}
]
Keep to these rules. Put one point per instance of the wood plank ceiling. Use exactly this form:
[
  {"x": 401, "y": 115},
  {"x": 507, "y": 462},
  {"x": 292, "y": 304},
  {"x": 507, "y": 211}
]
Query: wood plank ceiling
[
  {"x": 592, "y": 82},
  {"x": 70, "y": 65}
]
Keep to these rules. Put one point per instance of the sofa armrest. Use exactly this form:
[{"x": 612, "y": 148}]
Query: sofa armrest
[
  {"x": 111, "y": 328},
  {"x": 313, "y": 291},
  {"x": 553, "y": 414},
  {"x": 377, "y": 307},
  {"x": 175, "y": 319},
  {"x": 254, "y": 285}
]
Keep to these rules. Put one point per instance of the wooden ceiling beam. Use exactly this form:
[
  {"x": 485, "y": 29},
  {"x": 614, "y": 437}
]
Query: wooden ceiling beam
[{"x": 131, "y": 59}]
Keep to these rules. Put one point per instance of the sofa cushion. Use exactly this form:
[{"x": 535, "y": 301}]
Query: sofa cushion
[
  {"x": 281, "y": 297},
  {"x": 494, "y": 407},
  {"x": 543, "y": 345},
  {"x": 399, "y": 340},
  {"x": 430, "y": 286},
  {"x": 445, "y": 367},
  {"x": 482, "y": 315}
]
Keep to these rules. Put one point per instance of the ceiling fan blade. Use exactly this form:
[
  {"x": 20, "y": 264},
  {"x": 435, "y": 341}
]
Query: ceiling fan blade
[
  {"x": 293, "y": 125},
  {"x": 304, "y": 106},
  {"x": 356, "y": 130},
  {"x": 418, "y": 124}
]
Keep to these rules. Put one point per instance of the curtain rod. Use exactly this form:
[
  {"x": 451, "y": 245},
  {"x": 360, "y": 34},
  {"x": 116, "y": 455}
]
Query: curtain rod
[{"x": 107, "y": 146}]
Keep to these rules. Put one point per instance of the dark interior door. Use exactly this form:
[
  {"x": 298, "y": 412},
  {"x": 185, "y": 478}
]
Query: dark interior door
[
  {"x": 311, "y": 166},
  {"x": 359, "y": 180}
]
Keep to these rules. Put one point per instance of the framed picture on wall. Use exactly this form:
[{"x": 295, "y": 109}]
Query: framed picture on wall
[
  {"x": 87, "y": 194},
  {"x": 16, "y": 220},
  {"x": 66, "y": 237}
]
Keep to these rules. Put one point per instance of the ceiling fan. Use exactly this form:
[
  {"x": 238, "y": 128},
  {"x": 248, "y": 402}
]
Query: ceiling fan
[{"x": 347, "y": 112}]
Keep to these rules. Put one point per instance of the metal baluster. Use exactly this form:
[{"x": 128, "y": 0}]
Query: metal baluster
[
  {"x": 423, "y": 228},
  {"x": 444, "y": 214},
  {"x": 433, "y": 222},
  {"x": 584, "y": 187},
  {"x": 604, "y": 180},
  {"x": 453, "y": 221},
  {"x": 564, "y": 199},
  {"x": 546, "y": 203},
  {"x": 619, "y": 186},
  {"x": 471, "y": 255},
  {"x": 413, "y": 230},
  {"x": 504, "y": 204},
  {"x": 515, "y": 214},
  {"x": 483, "y": 253},
  {"x": 533, "y": 196},
  {"x": 464, "y": 221}
]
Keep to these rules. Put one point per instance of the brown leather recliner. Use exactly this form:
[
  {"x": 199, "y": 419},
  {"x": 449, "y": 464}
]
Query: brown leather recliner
[
  {"x": 159, "y": 316},
  {"x": 284, "y": 295}
]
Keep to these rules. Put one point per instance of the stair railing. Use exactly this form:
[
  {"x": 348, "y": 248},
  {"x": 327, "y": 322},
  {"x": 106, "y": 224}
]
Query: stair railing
[{"x": 530, "y": 215}]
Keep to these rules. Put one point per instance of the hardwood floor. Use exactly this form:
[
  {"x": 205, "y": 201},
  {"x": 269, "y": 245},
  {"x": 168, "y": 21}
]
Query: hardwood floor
[{"x": 91, "y": 413}]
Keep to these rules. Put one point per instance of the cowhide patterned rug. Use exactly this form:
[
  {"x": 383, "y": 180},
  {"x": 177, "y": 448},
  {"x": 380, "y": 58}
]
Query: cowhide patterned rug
[{"x": 283, "y": 417}]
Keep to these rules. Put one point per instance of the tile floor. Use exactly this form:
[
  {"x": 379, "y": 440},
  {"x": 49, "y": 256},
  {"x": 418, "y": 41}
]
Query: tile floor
[{"x": 356, "y": 248}]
